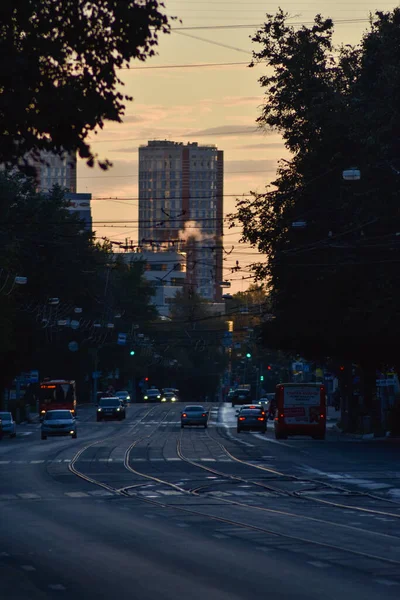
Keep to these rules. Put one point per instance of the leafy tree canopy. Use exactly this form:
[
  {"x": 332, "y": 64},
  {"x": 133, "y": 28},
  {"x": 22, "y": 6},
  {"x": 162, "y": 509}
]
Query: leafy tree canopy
[
  {"x": 59, "y": 62},
  {"x": 331, "y": 245}
]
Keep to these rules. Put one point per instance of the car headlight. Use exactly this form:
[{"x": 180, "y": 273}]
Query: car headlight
[
  {"x": 163, "y": 399},
  {"x": 42, "y": 412},
  {"x": 99, "y": 409},
  {"x": 128, "y": 397},
  {"x": 173, "y": 399},
  {"x": 158, "y": 396},
  {"x": 118, "y": 409},
  {"x": 146, "y": 397}
]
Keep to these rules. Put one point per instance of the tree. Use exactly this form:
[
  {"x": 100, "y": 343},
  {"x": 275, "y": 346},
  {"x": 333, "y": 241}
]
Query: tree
[
  {"x": 331, "y": 245},
  {"x": 59, "y": 63}
]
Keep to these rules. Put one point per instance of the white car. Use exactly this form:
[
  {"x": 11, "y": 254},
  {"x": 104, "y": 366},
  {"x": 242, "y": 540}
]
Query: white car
[
  {"x": 58, "y": 422},
  {"x": 8, "y": 425}
]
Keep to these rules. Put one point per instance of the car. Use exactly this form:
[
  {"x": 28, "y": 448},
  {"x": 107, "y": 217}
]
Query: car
[
  {"x": 169, "y": 397},
  {"x": 152, "y": 395},
  {"x": 110, "y": 408},
  {"x": 251, "y": 418},
  {"x": 124, "y": 396},
  {"x": 8, "y": 426},
  {"x": 241, "y": 396},
  {"x": 194, "y": 414},
  {"x": 58, "y": 422}
]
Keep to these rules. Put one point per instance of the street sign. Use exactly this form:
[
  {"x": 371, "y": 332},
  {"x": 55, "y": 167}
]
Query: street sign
[
  {"x": 34, "y": 377},
  {"x": 122, "y": 339}
]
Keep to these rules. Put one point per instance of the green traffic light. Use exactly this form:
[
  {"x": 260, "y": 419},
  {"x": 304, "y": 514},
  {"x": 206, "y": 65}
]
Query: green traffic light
[
  {"x": 261, "y": 377},
  {"x": 132, "y": 353}
]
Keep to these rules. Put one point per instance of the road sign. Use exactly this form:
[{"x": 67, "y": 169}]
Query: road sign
[
  {"x": 122, "y": 339},
  {"x": 34, "y": 376}
]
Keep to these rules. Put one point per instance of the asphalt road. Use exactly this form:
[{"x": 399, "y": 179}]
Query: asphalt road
[{"x": 142, "y": 509}]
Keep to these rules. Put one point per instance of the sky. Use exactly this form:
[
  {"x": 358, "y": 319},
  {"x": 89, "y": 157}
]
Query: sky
[{"x": 199, "y": 88}]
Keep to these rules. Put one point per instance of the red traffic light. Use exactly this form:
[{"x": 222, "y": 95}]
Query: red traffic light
[
  {"x": 269, "y": 368},
  {"x": 146, "y": 378},
  {"x": 341, "y": 367}
]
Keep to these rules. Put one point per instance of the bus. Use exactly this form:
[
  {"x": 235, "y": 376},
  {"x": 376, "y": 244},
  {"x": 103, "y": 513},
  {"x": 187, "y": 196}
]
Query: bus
[
  {"x": 300, "y": 409},
  {"x": 57, "y": 394}
]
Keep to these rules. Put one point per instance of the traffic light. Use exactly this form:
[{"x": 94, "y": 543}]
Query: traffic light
[
  {"x": 269, "y": 368},
  {"x": 146, "y": 378},
  {"x": 248, "y": 355},
  {"x": 132, "y": 353},
  {"x": 261, "y": 377}
]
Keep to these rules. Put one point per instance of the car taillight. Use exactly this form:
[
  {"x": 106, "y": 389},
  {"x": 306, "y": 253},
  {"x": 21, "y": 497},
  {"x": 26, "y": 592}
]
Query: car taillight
[
  {"x": 281, "y": 415},
  {"x": 184, "y": 415},
  {"x": 263, "y": 413},
  {"x": 204, "y": 415},
  {"x": 322, "y": 416},
  {"x": 260, "y": 419},
  {"x": 242, "y": 418}
]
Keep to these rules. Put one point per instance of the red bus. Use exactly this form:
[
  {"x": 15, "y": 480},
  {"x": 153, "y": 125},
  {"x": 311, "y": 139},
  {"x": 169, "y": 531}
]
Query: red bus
[
  {"x": 300, "y": 409},
  {"x": 57, "y": 394}
]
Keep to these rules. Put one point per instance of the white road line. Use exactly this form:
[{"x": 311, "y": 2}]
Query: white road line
[
  {"x": 76, "y": 494},
  {"x": 100, "y": 493},
  {"x": 28, "y": 496},
  {"x": 5, "y": 462},
  {"x": 28, "y": 568},
  {"x": 20, "y": 462},
  {"x": 58, "y": 587},
  {"x": 387, "y": 582},
  {"x": 172, "y": 459},
  {"x": 271, "y": 441},
  {"x": 317, "y": 563},
  {"x": 138, "y": 460},
  {"x": 207, "y": 460},
  {"x": 67, "y": 460},
  {"x": 157, "y": 460},
  {"x": 36, "y": 462}
]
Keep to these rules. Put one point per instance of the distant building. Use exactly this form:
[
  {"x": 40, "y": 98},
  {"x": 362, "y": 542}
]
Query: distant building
[
  {"x": 181, "y": 206},
  {"x": 80, "y": 205},
  {"x": 167, "y": 273},
  {"x": 52, "y": 169}
]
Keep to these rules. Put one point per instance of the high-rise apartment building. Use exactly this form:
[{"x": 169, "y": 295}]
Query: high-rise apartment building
[
  {"x": 181, "y": 198},
  {"x": 52, "y": 169}
]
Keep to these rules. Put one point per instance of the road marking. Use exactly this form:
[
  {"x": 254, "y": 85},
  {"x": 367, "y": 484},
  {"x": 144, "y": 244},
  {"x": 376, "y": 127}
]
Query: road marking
[
  {"x": 20, "y": 462},
  {"x": 387, "y": 582},
  {"x": 67, "y": 460},
  {"x": 5, "y": 462},
  {"x": 58, "y": 587},
  {"x": 271, "y": 441},
  {"x": 220, "y": 536},
  {"x": 77, "y": 494},
  {"x": 138, "y": 460},
  {"x": 105, "y": 459},
  {"x": 317, "y": 563},
  {"x": 207, "y": 460},
  {"x": 100, "y": 493},
  {"x": 36, "y": 462},
  {"x": 182, "y": 525},
  {"x": 28, "y": 496},
  {"x": 173, "y": 459},
  {"x": 157, "y": 459},
  {"x": 28, "y": 568}
]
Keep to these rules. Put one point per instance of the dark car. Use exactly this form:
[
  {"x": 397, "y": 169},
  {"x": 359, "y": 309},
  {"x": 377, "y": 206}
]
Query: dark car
[
  {"x": 169, "y": 396},
  {"x": 241, "y": 396},
  {"x": 251, "y": 418},
  {"x": 110, "y": 408},
  {"x": 194, "y": 415}
]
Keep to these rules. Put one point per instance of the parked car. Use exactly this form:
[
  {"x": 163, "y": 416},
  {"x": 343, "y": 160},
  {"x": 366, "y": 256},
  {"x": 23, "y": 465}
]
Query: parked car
[
  {"x": 58, "y": 422},
  {"x": 8, "y": 426}
]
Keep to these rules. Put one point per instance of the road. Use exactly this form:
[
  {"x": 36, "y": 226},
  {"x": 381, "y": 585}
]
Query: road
[{"x": 142, "y": 509}]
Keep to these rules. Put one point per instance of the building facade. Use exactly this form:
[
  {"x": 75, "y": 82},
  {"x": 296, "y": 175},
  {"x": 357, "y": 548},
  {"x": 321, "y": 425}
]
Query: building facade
[
  {"x": 80, "y": 205},
  {"x": 181, "y": 206},
  {"x": 166, "y": 271},
  {"x": 52, "y": 169}
]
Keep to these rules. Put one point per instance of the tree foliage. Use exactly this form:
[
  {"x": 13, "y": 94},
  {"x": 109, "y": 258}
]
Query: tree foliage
[
  {"x": 331, "y": 245},
  {"x": 43, "y": 242},
  {"x": 59, "y": 63}
]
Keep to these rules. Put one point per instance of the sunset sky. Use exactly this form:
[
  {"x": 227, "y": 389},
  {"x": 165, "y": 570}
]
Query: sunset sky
[{"x": 177, "y": 97}]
